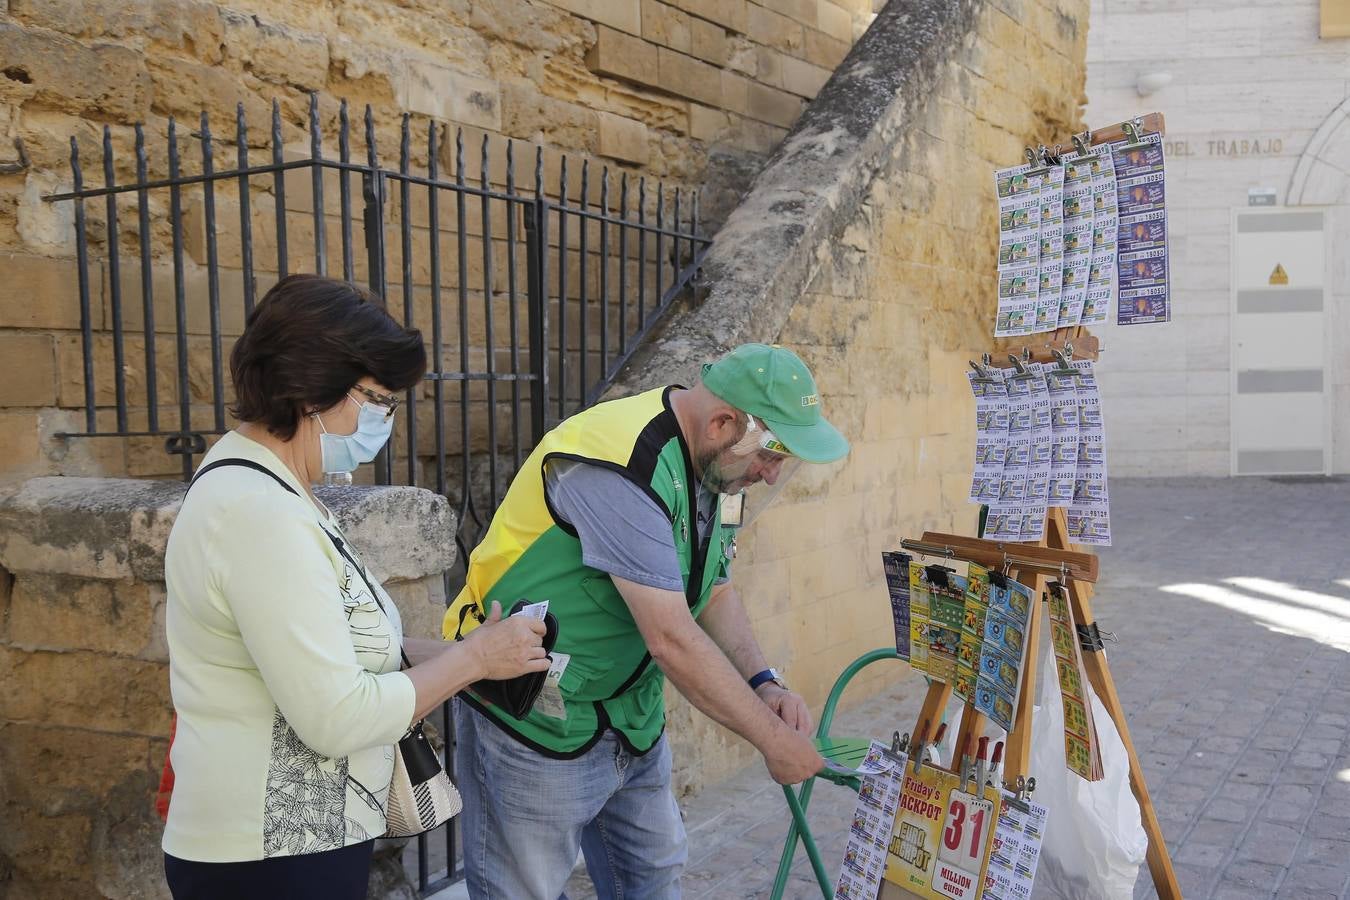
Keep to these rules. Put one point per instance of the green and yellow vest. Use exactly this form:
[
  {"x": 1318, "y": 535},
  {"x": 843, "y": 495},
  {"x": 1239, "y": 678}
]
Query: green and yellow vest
[{"x": 528, "y": 553}]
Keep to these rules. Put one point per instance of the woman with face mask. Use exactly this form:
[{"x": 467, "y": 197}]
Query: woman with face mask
[{"x": 284, "y": 651}]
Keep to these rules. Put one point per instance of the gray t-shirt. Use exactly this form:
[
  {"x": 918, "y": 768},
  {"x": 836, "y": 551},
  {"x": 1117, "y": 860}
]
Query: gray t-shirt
[{"x": 623, "y": 531}]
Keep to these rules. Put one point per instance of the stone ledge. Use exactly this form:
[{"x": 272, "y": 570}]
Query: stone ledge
[{"x": 117, "y": 528}]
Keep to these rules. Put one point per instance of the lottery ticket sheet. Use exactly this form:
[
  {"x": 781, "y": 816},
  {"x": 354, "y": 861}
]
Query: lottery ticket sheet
[
  {"x": 1101, "y": 289},
  {"x": 1081, "y": 751},
  {"x": 1061, "y": 385},
  {"x": 1051, "y": 287},
  {"x": 895, "y": 565},
  {"x": 999, "y": 676},
  {"x": 1089, "y": 516},
  {"x": 947, "y": 600},
  {"x": 1144, "y": 294},
  {"x": 870, "y": 832},
  {"x": 1004, "y": 522},
  {"x": 1016, "y": 852},
  {"x": 972, "y": 632},
  {"x": 1019, "y": 249},
  {"x": 991, "y": 435},
  {"x": 1077, "y": 240},
  {"x": 1039, "y": 443},
  {"x": 1040, "y": 463},
  {"x": 919, "y": 600}
]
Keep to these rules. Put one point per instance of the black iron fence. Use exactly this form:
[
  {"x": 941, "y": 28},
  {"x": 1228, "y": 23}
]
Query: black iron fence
[{"x": 531, "y": 299}]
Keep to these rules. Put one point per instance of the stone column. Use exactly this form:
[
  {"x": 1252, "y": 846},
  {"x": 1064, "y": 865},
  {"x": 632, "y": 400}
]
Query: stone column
[{"x": 85, "y": 710}]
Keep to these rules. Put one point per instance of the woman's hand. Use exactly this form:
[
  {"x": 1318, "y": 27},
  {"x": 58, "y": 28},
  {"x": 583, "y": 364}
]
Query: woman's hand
[{"x": 508, "y": 647}]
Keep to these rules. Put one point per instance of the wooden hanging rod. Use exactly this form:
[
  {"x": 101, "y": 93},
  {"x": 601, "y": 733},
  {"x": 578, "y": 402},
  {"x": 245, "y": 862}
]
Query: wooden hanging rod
[
  {"x": 1148, "y": 123},
  {"x": 1043, "y": 346},
  {"x": 1026, "y": 558}
]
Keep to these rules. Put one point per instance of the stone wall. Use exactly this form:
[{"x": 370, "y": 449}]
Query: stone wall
[
  {"x": 695, "y": 92},
  {"x": 85, "y": 714},
  {"x": 867, "y": 244}
]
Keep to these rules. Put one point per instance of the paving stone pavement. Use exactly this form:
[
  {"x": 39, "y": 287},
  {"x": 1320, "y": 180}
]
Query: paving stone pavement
[{"x": 1231, "y": 602}]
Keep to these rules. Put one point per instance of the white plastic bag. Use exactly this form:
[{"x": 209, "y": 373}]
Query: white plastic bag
[{"x": 1094, "y": 841}]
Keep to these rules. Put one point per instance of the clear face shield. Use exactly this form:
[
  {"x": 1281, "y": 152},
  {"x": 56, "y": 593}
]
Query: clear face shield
[{"x": 750, "y": 473}]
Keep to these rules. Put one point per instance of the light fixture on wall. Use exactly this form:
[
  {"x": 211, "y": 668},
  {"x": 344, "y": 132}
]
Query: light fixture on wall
[{"x": 1152, "y": 82}]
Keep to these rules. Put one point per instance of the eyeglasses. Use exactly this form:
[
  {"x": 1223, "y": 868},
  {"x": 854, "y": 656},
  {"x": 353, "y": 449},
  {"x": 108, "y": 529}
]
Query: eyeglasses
[
  {"x": 768, "y": 442},
  {"x": 388, "y": 401}
]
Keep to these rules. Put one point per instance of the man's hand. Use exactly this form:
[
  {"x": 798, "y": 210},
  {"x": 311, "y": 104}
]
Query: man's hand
[
  {"x": 792, "y": 758},
  {"x": 788, "y": 706}
]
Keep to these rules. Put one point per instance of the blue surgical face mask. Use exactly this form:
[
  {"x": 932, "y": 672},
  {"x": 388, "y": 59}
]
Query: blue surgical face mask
[{"x": 344, "y": 452}]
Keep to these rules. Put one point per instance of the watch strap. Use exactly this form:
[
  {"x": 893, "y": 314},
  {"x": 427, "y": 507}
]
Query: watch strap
[{"x": 760, "y": 678}]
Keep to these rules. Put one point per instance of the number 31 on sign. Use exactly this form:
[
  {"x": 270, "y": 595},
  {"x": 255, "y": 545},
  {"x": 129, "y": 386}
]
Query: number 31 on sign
[{"x": 965, "y": 836}]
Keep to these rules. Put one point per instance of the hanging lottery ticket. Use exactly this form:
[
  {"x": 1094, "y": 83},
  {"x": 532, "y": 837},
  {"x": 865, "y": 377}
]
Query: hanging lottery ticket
[
  {"x": 972, "y": 632},
  {"x": 870, "y": 832},
  {"x": 1039, "y": 466},
  {"x": 1101, "y": 288},
  {"x": 991, "y": 433},
  {"x": 999, "y": 677},
  {"x": 1051, "y": 287},
  {"x": 1144, "y": 294},
  {"x": 919, "y": 605},
  {"x": 947, "y": 599},
  {"x": 1004, "y": 521},
  {"x": 1089, "y": 516},
  {"x": 1019, "y": 249},
  {"x": 1061, "y": 384},
  {"x": 1077, "y": 239},
  {"x": 1082, "y": 753},
  {"x": 896, "y": 567},
  {"x": 1018, "y": 835}
]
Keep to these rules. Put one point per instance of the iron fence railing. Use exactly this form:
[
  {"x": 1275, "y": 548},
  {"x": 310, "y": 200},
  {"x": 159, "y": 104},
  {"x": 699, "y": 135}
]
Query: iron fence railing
[{"x": 171, "y": 261}]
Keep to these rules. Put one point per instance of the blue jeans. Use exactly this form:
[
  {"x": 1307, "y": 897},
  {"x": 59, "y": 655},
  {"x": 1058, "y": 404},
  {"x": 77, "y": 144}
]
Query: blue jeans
[{"x": 526, "y": 815}]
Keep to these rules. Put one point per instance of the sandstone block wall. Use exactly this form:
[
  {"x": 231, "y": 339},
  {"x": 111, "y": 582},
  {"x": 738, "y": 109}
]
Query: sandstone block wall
[
  {"x": 86, "y": 712},
  {"x": 695, "y": 92},
  {"x": 867, "y": 244}
]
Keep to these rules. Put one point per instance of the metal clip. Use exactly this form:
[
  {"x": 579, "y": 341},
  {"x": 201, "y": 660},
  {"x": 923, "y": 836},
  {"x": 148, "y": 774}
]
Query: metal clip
[
  {"x": 1083, "y": 143},
  {"x": 1092, "y": 639},
  {"x": 1063, "y": 360},
  {"x": 937, "y": 575},
  {"x": 1021, "y": 793},
  {"x": 1134, "y": 132},
  {"x": 982, "y": 375},
  {"x": 899, "y": 745},
  {"x": 1019, "y": 363},
  {"x": 1039, "y": 160}
]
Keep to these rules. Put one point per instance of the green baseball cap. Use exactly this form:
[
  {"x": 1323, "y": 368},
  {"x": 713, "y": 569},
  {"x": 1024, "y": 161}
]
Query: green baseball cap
[{"x": 775, "y": 386}]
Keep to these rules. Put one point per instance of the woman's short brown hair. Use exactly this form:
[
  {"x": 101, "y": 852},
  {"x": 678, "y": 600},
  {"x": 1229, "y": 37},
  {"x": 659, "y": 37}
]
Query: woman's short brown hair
[{"x": 308, "y": 341}]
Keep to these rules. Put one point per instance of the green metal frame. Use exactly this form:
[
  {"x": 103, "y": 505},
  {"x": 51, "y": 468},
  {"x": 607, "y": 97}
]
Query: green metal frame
[{"x": 798, "y": 800}]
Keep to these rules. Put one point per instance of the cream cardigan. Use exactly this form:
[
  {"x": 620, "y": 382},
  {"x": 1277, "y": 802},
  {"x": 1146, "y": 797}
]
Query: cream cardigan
[{"x": 283, "y": 669}]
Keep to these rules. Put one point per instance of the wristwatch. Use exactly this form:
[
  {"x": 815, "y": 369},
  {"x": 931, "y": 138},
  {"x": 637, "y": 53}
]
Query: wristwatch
[{"x": 761, "y": 678}]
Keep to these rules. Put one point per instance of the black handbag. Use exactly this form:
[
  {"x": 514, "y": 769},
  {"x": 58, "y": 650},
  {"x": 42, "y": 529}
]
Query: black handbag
[{"x": 516, "y": 696}]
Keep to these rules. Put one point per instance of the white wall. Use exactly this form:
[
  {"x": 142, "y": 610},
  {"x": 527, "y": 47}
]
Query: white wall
[{"x": 1242, "y": 70}]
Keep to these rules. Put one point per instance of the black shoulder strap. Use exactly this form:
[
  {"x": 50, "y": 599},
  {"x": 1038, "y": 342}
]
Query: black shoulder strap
[
  {"x": 242, "y": 463},
  {"x": 337, "y": 541}
]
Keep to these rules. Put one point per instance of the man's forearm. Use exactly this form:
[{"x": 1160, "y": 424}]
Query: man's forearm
[
  {"x": 726, "y": 622},
  {"x": 703, "y": 674}
]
